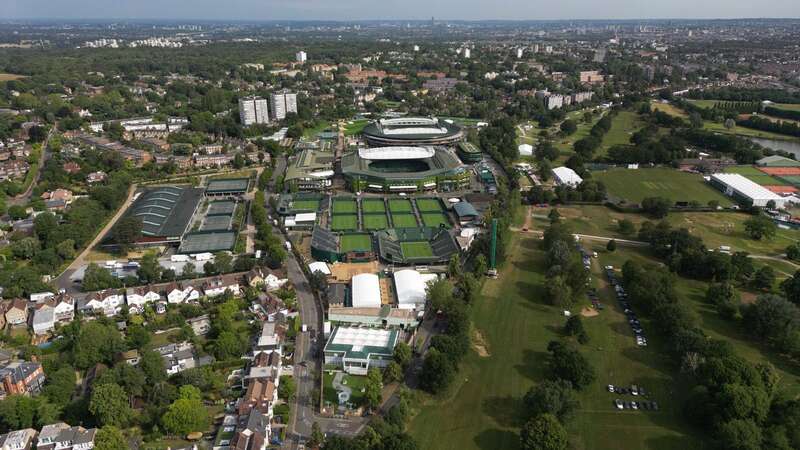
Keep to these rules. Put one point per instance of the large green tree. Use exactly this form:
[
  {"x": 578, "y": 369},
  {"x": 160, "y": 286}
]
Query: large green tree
[
  {"x": 543, "y": 432},
  {"x": 110, "y": 438},
  {"x": 110, "y": 405}
]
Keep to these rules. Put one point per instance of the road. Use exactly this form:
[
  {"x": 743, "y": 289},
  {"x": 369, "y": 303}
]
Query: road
[
  {"x": 25, "y": 197},
  {"x": 63, "y": 281}
]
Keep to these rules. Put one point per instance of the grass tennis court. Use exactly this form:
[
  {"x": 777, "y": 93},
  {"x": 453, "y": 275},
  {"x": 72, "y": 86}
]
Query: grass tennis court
[
  {"x": 372, "y": 206},
  {"x": 344, "y": 222},
  {"x": 355, "y": 242},
  {"x": 433, "y": 220},
  {"x": 400, "y": 205},
  {"x": 416, "y": 249},
  {"x": 428, "y": 205},
  {"x": 404, "y": 220},
  {"x": 305, "y": 205},
  {"x": 636, "y": 185},
  {"x": 344, "y": 206},
  {"x": 755, "y": 175},
  {"x": 375, "y": 222}
]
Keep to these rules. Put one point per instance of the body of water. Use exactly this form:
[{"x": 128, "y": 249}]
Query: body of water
[{"x": 786, "y": 146}]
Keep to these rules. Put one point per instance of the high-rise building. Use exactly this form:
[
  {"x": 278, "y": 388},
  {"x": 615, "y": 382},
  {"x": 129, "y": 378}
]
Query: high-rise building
[
  {"x": 253, "y": 110},
  {"x": 467, "y": 53},
  {"x": 519, "y": 53},
  {"x": 301, "y": 56},
  {"x": 282, "y": 103}
]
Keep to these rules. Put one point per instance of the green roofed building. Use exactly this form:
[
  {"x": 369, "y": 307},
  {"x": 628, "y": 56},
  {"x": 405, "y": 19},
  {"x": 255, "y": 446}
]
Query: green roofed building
[
  {"x": 226, "y": 187},
  {"x": 356, "y": 350},
  {"x": 404, "y": 169},
  {"x": 469, "y": 153},
  {"x": 166, "y": 213}
]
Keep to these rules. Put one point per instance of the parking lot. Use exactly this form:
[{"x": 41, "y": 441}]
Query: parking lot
[
  {"x": 622, "y": 297},
  {"x": 637, "y": 399}
]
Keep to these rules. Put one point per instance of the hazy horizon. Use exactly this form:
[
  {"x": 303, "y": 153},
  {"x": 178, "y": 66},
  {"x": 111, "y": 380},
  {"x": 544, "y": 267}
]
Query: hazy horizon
[{"x": 343, "y": 10}]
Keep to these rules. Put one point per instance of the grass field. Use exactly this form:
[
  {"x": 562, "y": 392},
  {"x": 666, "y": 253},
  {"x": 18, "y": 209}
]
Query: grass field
[
  {"x": 433, "y": 220},
  {"x": 375, "y": 221},
  {"x": 344, "y": 206},
  {"x": 10, "y": 77},
  {"x": 355, "y": 242},
  {"x": 623, "y": 126},
  {"x": 404, "y": 220},
  {"x": 669, "y": 109},
  {"x": 636, "y": 185},
  {"x": 484, "y": 409},
  {"x": 304, "y": 205},
  {"x": 787, "y": 106},
  {"x": 318, "y": 127},
  {"x": 428, "y": 205},
  {"x": 355, "y": 127},
  {"x": 344, "y": 222},
  {"x": 372, "y": 206},
  {"x": 416, "y": 249},
  {"x": 755, "y": 175},
  {"x": 744, "y": 131},
  {"x": 399, "y": 205}
]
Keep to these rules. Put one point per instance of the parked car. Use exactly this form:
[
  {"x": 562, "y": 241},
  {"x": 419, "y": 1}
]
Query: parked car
[
  {"x": 618, "y": 403},
  {"x": 610, "y": 388},
  {"x": 634, "y": 405},
  {"x": 634, "y": 390}
]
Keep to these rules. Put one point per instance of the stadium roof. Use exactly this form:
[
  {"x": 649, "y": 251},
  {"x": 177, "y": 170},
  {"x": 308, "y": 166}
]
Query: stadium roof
[
  {"x": 166, "y": 211},
  {"x": 361, "y": 343},
  {"x": 465, "y": 209},
  {"x": 440, "y": 160},
  {"x": 428, "y": 130},
  {"x": 746, "y": 187},
  {"x": 366, "y": 291},
  {"x": 410, "y": 288},
  {"x": 565, "y": 175},
  {"x": 397, "y": 152}
]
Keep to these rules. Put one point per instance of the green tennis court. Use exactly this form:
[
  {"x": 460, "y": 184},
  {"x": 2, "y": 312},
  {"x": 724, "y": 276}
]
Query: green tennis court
[
  {"x": 375, "y": 222},
  {"x": 428, "y": 205},
  {"x": 344, "y": 222},
  {"x": 404, "y": 220},
  {"x": 372, "y": 206},
  {"x": 305, "y": 205},
  {"x": 355, "y": 243},
  {"x": 400, "y": 205},
  {"x": 416, "y": 249},
  {"x": 433, "y": 220},
  {"x": 344, "y": 206}
]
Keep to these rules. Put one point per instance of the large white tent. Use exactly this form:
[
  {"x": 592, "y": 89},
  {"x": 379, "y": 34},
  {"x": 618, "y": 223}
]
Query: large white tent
[
  {"x": 525, "y": 150},
  {"x": 410, "y": 286},
  {"x": 366, "y": 291}
]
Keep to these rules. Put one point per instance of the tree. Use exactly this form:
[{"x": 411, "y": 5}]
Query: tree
[
  {"x": 551, "y": 397},
  {"x": 393, "y": 372},
  {"x": 729, "y": 123},
  {"x": 611, "y": 246},
  {"x": 437, "y": 372},
  {"x": 373, "y": 388},
  {"x": 110, "y": 438},
  {"x": 402, "y": 354},
  {"x": 25, "y": 248},
  {"x": 110, "y": 406},
  {"x": 740, "y": 435},
  {"x": 317, "y": 438},
  {"x": 17, "y": 212},
  {"x": 188, "y": 271},
  {"x": 696, "y": 120},
  {"x": 764, "y": 278},
  {"x": 554, "y": 215},
  {"x": 793, "y": 251},
  {"x": 66, "y": 249},
  {"x": 44, "y": 225},
  {"x": 94, "y": 342},
  {"x": 60, "y": 385},
  {"x": 568, "y": 364},
  {"x": 725, "y": 298},
  {"x": 223, "y": 262},
  {"x": 150, "y": 269},
  {"x": 574, "y": 326},
  {"x": 568, "y": 127},
  {"x": 126, "y": 231},
  {"x": 137, "y": 336},
  {"x": 759, "y": 227},
  {"x": 791, "y": 287},
  {"x": 287, "y": 388},
  {"x": 626, "y": 227},
  {"x": 97, "y": 278},
  {"x": 185, "y": 416},
  {"x": 209, "y": 268},
  {"x": 543, "y": 433},
  {"x": 657, "y": 207}
]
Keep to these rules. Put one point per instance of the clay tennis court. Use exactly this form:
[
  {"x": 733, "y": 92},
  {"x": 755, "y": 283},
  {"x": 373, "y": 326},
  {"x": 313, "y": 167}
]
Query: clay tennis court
[
  {"x": 782, "y": 189},
  {"x": 344, "y": 272},
  {"x": 780, "y": 170}
]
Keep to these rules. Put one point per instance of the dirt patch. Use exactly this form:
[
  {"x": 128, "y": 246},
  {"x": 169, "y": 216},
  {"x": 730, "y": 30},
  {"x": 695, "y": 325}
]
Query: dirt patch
[
  {"x": 589, "y": 312},
  {"x": 479, "y": 344}
]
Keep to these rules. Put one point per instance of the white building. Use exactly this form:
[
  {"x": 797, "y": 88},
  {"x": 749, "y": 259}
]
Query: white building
[
  {"x": 366, "y": 291},
  {"x": 743, "y": 189},
  {"x": 525, "y": 150},
  {"x": 355, "y": 350},
  {"x": 107, "y": 302},
  {"x": 282, "y": 103},
  {"x": 467, "y": 53},
  {"x": 519, "y": 53},
  {"x": 566, "y": 177},
  {"x": 411, "y": 286},
  {"x": 139, "y": 296},
  {"x": 253, "y": 110},
  {"x": 301, "y": 56},
  {"x": 44, "y": 320}
]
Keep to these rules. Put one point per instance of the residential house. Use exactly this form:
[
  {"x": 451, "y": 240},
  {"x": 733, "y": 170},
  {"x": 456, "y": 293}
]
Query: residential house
[
  {"x": 254, "y": 277},
  {"x": 107, "y": 302},
  {"x": 60, "y": 436},
  {"x": 131, "y": 357},
  {"x": 137, "y": 297},
  {"x": 205, "y": 161},
  {"x": 218, "y": 285},
  {"x": 13, "y": 169},
  {"x": 17, "y": 312},
  {"x": 181, "y": 356},
  {"x": 269, "y": 340},
  {"x": 96, "y": 177},
  {"x": 71, "y": 167},
  {"x": 200, "y": 325},
  {"x": 58, "y": 194},
  {"x": 252, "y": 432},
  {"x": 176, "y": 293},
  {"x": 261, "y": 395},
  {"x": 41, "y": 297},
  {"x": 21, "y": 377},
  {"x": 18, "y": 440},
  {"x": 64, "y": 307},
  {"x": 44, "y": 319}
]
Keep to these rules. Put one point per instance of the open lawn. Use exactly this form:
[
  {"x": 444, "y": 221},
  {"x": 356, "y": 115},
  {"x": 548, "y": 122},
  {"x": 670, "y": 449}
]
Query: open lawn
[
  {"x": 564, "y": 144},
  {"x": 428, "y": 205},
  {"x": 636, "y": 185},
  {"x": 355, "y": 127},
  {"x": 433, "y": 220},
  {"x": 355, "y": 242},
  {"x": 356, "y": 383},
  {"x": 399, "y": 205},
  {"x": 744, "y": 131},
  {"x": 372, "y": 206},
  {"x": 374, "y": 221},
  {"x": 668, "y": 108},
  {"x": 344, "y": 206},
  {"x": 404, "y": 220},
  {"x": 755, "y": 175},
  {"x": 623, "y": 126},
  {"x": 344, "y": 222},
  {"x": 318, "y": 127},
  {"x": 484, "y": 409},
  {"x": 416, "y": 249}
]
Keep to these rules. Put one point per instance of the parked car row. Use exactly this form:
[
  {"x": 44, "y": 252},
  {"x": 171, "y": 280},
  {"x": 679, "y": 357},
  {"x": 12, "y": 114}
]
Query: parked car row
[
  {"x": 632, "y": 390},
  {"x": 592, "y": 294},
  {"x": 620, "y": 404},
  {"x": 622, "y": 296}
]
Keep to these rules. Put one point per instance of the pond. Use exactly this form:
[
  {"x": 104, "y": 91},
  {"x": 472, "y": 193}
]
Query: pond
[{"x": 786, "y": 146}]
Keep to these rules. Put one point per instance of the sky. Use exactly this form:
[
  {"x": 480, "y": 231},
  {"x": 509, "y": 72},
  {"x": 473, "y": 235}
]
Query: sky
[{"x": 395, "y": 9}]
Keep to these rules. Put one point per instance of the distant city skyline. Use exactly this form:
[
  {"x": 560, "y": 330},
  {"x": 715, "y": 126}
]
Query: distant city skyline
[{"x": 396, "y": 10}]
